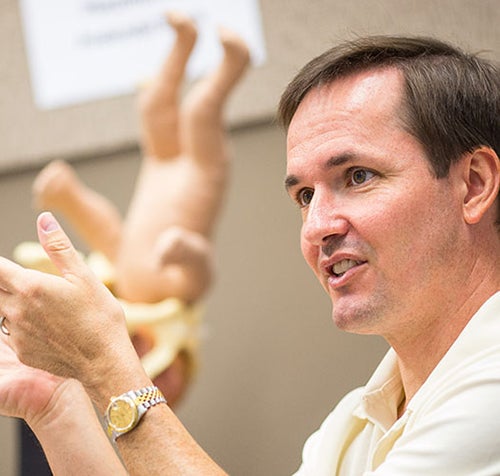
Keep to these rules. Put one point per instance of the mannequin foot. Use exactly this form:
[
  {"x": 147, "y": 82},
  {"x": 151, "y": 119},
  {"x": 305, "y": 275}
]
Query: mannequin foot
[
  {"x": 237, "y": 56},
  {"x": 54, "y": 185}
]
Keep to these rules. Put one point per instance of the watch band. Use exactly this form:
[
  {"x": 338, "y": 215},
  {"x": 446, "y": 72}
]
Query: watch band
[{"x": 125, "y": 411}]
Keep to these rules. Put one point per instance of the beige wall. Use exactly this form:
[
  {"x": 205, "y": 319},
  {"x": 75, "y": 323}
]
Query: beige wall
[
  {"x": 294, "y": 30},
  {"x": 273, "y": 364},
  {"x": 9, "y": 446}
]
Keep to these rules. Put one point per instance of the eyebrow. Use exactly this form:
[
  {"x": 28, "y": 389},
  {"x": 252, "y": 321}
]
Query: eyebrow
[
  {"x": 291, "y": 181},
  {"x": 335, "y": 161}
]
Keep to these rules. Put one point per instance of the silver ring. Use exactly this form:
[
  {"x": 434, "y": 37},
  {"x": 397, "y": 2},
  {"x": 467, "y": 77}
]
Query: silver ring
[{"x": 3, "y": 327}]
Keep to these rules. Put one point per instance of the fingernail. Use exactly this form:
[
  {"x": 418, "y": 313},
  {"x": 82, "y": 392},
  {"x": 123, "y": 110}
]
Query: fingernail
[{"x": 48, "y": 223}]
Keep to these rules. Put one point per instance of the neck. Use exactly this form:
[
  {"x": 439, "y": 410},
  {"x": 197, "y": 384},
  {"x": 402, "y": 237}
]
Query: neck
[
  {"x": 437, "y": 323},
  {"x": 421, "y": 352}
]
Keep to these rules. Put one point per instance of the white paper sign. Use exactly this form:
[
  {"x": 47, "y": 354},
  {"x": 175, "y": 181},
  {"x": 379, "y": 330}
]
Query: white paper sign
[{"x": 83, "y": 50}]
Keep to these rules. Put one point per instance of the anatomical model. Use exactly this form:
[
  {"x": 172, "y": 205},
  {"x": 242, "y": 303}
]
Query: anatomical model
[{"x": 161, "y": 253}]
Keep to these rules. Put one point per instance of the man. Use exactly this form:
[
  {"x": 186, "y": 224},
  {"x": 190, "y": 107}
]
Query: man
[{"x": 393, "y": 160}]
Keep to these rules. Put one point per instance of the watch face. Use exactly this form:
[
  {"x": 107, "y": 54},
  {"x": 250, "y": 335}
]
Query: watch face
[{"x": 122, "y": 414}]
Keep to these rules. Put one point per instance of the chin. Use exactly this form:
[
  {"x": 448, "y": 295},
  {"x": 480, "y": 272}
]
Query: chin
[
  {"x": 356, "y": 327},
  {"x": 355, "y": 319}
]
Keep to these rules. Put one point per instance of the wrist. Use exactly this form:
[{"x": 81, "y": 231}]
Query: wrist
[
  {"x": 67, "y": 396},
  {"x": 69, "y": 420},
  {"x": 115, "y": 374}
]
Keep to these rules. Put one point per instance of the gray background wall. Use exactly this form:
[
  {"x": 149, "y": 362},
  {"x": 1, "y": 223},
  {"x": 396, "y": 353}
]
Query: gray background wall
[{"x": 273, "y": 365}]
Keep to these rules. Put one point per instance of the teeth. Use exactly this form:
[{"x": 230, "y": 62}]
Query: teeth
[{"x": 342, "y": 266}]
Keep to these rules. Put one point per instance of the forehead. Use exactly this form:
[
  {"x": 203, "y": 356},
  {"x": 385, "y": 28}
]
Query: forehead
[{"x": 357, "y": 108}]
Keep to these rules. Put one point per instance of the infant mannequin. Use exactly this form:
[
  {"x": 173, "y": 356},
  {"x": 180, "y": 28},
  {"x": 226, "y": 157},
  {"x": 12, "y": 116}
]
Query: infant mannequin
[{"x": 163, "y": 247}]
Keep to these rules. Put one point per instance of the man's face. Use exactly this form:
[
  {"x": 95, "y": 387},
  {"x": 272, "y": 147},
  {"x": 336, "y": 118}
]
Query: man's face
[{"x": 379, "y": 230}]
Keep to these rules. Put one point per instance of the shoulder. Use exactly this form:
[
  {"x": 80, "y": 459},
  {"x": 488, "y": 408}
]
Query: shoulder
[
  {"x": 476, "y": 379},
  {"x": 455, "y": 425}
]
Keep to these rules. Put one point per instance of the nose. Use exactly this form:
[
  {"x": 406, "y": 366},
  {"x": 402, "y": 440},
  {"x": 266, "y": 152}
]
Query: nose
[{"x": 324, "y": 222}]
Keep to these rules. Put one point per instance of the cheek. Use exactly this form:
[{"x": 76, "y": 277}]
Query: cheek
[
  {"x": 305, "y": 247},
  {"x": 309, "y": 252},
  {"x": 421, "y": 231}
]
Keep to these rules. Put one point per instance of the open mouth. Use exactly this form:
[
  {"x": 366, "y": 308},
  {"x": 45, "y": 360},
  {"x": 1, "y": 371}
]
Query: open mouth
[{"x": 340, "y": 268}]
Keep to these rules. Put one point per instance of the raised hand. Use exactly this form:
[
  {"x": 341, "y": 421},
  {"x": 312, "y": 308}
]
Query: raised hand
[{"x": 65, "y": 324}]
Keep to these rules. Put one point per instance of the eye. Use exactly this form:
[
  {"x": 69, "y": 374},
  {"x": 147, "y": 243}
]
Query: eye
[
  {"x": 304, "y": 196},
  {"x": 358, "y": 176}
]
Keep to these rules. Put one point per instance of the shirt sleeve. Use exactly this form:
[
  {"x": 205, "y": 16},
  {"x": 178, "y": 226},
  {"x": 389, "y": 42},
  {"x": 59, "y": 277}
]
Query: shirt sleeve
[{"x": 320, "y": 452}]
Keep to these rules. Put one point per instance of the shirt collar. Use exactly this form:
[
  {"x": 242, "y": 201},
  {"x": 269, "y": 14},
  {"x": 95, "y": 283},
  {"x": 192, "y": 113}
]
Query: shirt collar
[{"x": 383, "y": 394}]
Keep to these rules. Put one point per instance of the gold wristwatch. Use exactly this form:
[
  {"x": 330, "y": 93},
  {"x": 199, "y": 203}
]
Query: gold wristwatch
[{"x": 124, "y": 412}]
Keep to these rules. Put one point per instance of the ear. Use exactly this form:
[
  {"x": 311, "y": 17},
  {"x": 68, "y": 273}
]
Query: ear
[{"x": 482, "y": 180}]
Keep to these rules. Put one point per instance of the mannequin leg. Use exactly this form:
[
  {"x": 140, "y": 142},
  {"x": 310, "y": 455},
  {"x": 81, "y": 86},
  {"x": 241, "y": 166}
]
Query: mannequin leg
[{"x": 94, "y": 218}]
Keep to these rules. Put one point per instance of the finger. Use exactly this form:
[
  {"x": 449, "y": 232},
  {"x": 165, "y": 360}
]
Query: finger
[
  {"x": 58, "y": 246},
  {"x": 158, "y": 101},
  {"x": 201, "y": 120},
  {"x": 10, "y": 273}
]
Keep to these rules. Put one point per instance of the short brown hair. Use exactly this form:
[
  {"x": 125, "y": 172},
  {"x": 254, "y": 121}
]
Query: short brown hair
[{"x": 451, "y": 100}]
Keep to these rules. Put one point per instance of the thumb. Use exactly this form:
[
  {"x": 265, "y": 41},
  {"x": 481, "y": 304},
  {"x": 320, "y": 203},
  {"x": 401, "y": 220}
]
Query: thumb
[{"x": 58, "y": 246}]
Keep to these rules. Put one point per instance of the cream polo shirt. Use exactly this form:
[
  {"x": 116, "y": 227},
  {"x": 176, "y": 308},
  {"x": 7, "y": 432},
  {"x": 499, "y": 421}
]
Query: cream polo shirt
[{"x": 451, "y": 426}]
